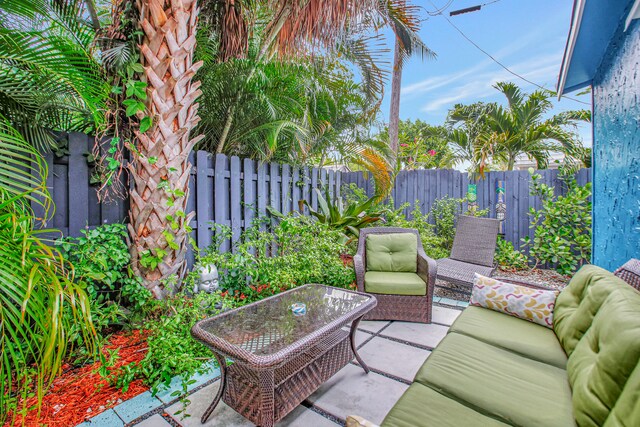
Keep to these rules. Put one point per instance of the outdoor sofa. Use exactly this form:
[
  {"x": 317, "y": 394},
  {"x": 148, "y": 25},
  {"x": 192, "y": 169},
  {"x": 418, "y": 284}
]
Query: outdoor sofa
[{"x": 493, "y": 369}]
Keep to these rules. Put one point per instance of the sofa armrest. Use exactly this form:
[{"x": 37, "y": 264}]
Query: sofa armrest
[
  {"x": 356, "y": 421},
  {"x": 358, "y": 265}
]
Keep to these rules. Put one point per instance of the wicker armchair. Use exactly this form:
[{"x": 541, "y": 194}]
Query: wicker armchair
[
  {"x": 474, "y": 246},
  {"x": 411, "y": 308}
]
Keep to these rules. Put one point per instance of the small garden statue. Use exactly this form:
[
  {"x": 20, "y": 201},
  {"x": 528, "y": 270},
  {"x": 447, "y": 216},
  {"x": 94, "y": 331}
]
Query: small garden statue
[{"x": 207, "y": 279}]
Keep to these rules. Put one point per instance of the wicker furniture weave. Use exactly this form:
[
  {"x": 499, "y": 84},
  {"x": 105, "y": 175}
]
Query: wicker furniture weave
[
  {"x": 279, "y": 358},
  {"x": 398, "y": 307},
  {"x": 474, "y": 246},
  {"x": 630, "y": 272}
]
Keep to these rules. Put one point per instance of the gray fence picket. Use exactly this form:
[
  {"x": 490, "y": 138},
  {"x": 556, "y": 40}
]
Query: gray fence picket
[
  {"x": 221, "y": 187},
  {"x": 204, "y": 200},
  {"x": 286, "y": 189},
  {"x": 78, "y": 173},
  {"x": 262, "y": 192},
  {"x": 249, "y": 192},
  {"x": 235, "y": 187}
]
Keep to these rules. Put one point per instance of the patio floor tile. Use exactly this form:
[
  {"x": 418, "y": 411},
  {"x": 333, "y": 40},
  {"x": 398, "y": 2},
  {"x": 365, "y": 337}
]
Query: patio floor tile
[
  {"x": 428, "y": 335},
  {"x": 106, "y": 419},
  {"x": 397, "y": 359},
  {"x": 445, "y": 316},
  {"x": 224, "y": 416},
  {"x": 352, "y": 392},
  {"x": 372, "y": 325},
  {"x": 154, "y": 421},
  {"x": 165, "y": 393},
  {"x": 137, "y": 406},
  {"x": 361, "y": 336}
]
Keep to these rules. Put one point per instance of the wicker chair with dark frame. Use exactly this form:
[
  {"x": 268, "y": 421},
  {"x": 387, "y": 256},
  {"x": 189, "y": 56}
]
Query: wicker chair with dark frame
[
  {"x": 474, "y": 247},
  {"x": 412, "y": 306}
]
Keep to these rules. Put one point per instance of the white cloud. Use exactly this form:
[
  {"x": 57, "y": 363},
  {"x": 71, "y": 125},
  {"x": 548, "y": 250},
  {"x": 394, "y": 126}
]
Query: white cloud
[{"x": 478, "y": 86}]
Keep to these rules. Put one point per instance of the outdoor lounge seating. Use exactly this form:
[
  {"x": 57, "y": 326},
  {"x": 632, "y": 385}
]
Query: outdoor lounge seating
[
  {"x": 474, "y": 246},
  {"x": 493, "y": 369},
  {"x": 391, "y": 264}
]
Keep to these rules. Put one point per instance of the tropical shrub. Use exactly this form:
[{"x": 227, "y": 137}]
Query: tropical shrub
[
  {"x": 299, "y": 250},
  {"x": 101, "y": 260},
  {"x": 508, "y": 257},
  {"x": 562, "y": 235},
  {"x": 36, "y": 289}
]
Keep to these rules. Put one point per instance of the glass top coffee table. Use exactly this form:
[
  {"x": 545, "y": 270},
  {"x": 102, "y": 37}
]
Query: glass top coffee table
[{"x": 280, "y": 358}]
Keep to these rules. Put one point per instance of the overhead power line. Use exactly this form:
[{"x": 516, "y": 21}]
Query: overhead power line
[{"x": 439, "y": 12}]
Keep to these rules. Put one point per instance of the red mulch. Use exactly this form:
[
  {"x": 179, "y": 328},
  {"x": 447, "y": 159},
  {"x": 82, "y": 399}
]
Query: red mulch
[{"x": 78, "y": 394}]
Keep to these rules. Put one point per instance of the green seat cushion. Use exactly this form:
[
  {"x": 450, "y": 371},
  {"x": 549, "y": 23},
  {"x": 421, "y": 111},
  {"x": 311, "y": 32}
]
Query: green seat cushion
[
  {"x": 602, "y": 363},
  {"x": 382, "y": 282},
  {"x": 510, "y": 333},
  {"x": 421, "y": 406},
  {"x": 397, "y": 252},
  {"x": 498, "y": 383},
  {"x": 579, "y": 302}
]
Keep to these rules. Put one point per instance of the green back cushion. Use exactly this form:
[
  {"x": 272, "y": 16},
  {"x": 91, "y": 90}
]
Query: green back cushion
[
  {"x": 579, "y": 302},
  {"x": 397, "y": 252},
  {"x": 602, "y": 363}
]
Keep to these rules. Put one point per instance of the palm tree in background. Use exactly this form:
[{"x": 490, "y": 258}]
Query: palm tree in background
[{"x": 501, "y": 134}]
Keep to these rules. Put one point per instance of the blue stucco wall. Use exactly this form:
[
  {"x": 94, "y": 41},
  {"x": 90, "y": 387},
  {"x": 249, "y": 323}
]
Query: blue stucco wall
[{"x": 616, "y": 151}]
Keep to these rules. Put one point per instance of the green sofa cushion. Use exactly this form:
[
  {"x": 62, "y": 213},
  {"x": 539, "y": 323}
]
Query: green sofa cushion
[
  {"x": 498, "y": 383},
  {"x": 397, "y": 252},
  {"x": 626, "y": 411},
  {"x": 579, "y": 302},
  {"x": 603, "y": 360},
  {"x": 421, "y": 406},
  {"x": 382, "y": 282},
  {"x": 510, "y": 333}
]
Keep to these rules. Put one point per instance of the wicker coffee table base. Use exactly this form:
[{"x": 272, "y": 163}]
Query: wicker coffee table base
[{"x": 266, "y": 396}]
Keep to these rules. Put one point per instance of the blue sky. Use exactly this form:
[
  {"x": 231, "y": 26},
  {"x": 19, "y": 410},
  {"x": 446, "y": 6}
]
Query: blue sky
[{"x": 528, "y": 36}]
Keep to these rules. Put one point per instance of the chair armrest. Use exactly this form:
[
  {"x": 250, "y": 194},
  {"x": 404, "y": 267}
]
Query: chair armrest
[
  {"x": 358, "y": 265},
  {"x": 356, "y": 421},
  {"x": 427, "y": 268},
  {"x": 523, "y": 283}
]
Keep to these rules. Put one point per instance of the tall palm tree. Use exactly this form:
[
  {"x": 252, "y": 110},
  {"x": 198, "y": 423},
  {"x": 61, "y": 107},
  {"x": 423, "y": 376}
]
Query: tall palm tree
[
  {"x": 159, "y": 223},
  {"x": 524, "y": 128},
  {"x": 160, "y": 168}
]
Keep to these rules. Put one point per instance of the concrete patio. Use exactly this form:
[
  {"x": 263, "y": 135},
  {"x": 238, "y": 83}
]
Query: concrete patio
[{"x": 393, "y": 350}]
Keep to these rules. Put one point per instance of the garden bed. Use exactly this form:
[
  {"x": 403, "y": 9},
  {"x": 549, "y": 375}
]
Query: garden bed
[{"x": 79, "y": 393}]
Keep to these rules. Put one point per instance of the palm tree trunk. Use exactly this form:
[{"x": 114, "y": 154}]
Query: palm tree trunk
[
  {"x": 158, "y": 226},
  {"x": 511, "y": 162},
  {"x": 394, "y": 113}
]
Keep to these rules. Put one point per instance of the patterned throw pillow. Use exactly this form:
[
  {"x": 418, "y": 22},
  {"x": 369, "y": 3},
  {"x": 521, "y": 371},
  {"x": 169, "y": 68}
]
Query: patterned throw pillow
[{"x": 534, "y": 305}]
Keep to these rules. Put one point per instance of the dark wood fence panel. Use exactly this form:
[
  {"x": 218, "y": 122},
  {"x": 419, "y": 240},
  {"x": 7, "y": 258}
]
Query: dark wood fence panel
[
  {"x": 225, "y": 191},
  {"x": 425, "y": 186},
  {"x": 233, "y": 192}
]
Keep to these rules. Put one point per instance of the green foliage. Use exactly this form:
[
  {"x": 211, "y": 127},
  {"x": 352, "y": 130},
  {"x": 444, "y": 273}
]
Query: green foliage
[
  {"x": 507, "y": 257},
  {"x": 562, "y": 234},
  {"x": 101, "y": 259},
  {"x": 36, "y": 292},
  {"x": 350, "y": 218},
  {"x": 35, "y": 286},
  {"x": 299, "y": 250}
]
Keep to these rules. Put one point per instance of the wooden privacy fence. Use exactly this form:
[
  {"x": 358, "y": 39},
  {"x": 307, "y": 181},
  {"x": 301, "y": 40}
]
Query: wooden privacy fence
[
  {"x": 223, "y": 190},
  {"x": 425, "y": 186},
  {"x": 231, "y": 191}
]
